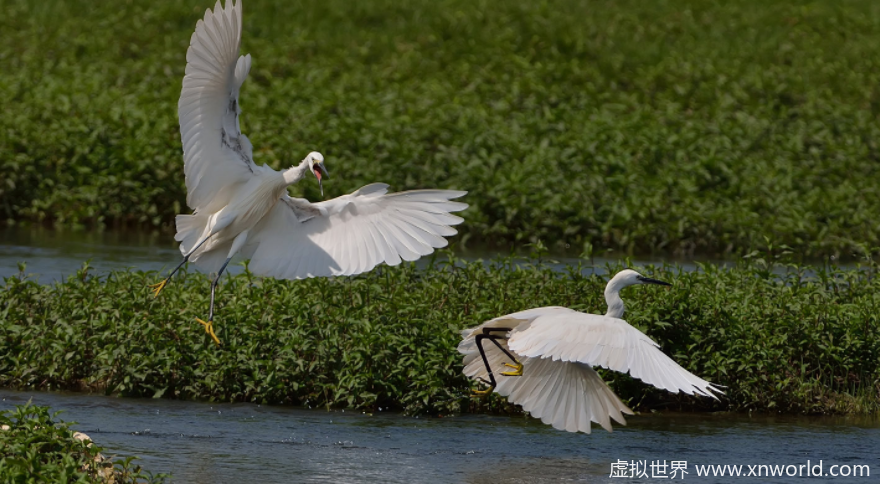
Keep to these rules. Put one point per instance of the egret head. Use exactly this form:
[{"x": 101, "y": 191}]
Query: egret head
[
  {"x": 622, "y": 279},
  {"x": 629, "y": 277},
  {"x": 316, "y": 166}
]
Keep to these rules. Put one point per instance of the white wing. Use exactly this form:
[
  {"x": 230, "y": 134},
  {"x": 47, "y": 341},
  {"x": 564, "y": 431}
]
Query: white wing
[
  {"x": 351, "y": 234},
  {"x": 567, "y": 396},
  {"x": 572, "y": 336},
  {"x": 216, "y": 154},
  {"x": 511, "y": 321}
]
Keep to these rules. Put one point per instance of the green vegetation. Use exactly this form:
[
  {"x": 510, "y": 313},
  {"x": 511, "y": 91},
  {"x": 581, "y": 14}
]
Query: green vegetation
[
  {"x": 807, "y": 341},
  {"x": 685, "y": 126},
  {"x": 37, "y": 448}
]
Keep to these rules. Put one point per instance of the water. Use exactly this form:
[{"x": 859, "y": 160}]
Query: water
[
  {"x": 52, "y": 255},
  {"x": 199, "y": 442},
  {"x": 218, "y": 443}
]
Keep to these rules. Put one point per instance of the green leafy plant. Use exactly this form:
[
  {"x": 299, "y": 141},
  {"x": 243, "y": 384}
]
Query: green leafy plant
[
  {"x": 685, "y": 127},
  {"x": 35, "y": 447},
  {"x": 781, "y": 337}
]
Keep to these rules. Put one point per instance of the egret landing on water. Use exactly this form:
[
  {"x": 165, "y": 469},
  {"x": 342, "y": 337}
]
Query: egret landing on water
[
  {"x": 243, "y": 208},
  {"x": 552, "y": 352}
]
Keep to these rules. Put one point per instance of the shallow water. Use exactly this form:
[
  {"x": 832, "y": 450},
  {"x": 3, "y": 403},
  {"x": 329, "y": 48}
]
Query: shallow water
[
  {"x": 211, "y": 443},
  {"x": 52, "y": 255}
]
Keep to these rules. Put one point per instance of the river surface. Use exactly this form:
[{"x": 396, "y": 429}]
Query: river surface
[
  {"x": 235, "y": 443},
  {"x": 52, "y": 255}
]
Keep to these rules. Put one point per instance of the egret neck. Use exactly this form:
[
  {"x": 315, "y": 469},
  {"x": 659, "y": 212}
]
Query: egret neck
[
  {"x": 612, "y": 296},
  {"x": 295, "y": 173}
]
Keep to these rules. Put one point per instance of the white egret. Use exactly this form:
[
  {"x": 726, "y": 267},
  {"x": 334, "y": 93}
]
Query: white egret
[
  {"x": 240, "y": 207},
  {"x": 553, "y": 352}
]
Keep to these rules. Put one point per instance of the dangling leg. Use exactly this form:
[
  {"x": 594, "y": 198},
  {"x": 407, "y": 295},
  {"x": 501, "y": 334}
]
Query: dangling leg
[
  {"x": 157, "y": 287},
  {"x": 517, "y": 366},
  {"x": 236, "y": 246},
  {"x": 482, "y": 393},
  {"x": 209, "y": 325}
]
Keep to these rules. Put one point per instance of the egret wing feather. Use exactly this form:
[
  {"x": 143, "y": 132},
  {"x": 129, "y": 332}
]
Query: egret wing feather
[
  {"x": 608, "y": 342},
  {"x": 350, "y": 234},
  {"x": 216, "y": 154},
  {"x": 565, "y": 395}
]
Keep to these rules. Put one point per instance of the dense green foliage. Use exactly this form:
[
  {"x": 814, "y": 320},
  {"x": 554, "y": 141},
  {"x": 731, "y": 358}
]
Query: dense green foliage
[
  {"x": 792, "y": 343},
  {"x": 637, "y": 125},
  {"x": 37, "y": 448}
]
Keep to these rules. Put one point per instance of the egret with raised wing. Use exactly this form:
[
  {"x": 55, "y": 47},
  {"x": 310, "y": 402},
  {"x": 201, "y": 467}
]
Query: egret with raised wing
[
  {"x": 241, "y": 208},
  {"x": 551, "y": 353}
]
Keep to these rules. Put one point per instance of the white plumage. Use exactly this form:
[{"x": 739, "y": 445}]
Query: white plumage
[
  {"x": 352, "y": 233},
  {"x": 557, "y": 348},
  {"x": 216, "y": 155},
  {"x": 241, "y": 207}
]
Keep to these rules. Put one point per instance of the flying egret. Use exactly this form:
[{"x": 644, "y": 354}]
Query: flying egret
[
  {"x": 553, "y": 351},
  {"x": 240, "y": 207}
]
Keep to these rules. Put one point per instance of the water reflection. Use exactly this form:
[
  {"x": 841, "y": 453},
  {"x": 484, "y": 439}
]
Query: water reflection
[{"x": 203, "y": 442}]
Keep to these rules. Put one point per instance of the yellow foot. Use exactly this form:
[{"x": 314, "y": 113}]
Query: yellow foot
[
  {"x": 209, "y": 328},
  {"x": 517, "y": 369},
  {"x": 481, "y": 393},
  {"x": 157, "y": 287}
]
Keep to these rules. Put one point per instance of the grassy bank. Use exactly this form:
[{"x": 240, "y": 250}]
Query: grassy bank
[
  {"x": 634, "y": 125},
  {"x": 36, "y": 447},
  {"x": 387, "y": 339}
]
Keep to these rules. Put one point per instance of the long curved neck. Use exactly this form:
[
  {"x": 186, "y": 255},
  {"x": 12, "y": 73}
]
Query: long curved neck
[
  {"x": 612, "y": 297},
  {"x": 295, "y": 173}
]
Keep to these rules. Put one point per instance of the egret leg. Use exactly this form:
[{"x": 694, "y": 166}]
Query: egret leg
[
  {"x": 237, "y": 244},
  {"x": 157, "y": 287},
  {"x": 492, "y": 384},
  {"x": 483, "y": 393},
  {"x": 517, "y": 366},
  {"x": 209, "y": 324}
]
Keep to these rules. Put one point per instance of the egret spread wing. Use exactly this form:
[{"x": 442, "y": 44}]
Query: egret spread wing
[
  {"x": 607, "y": 342},
  {"x": 352, "y": 233},
  {"x": 566, "y": 395},
  {"x": 216, "y": 154}
]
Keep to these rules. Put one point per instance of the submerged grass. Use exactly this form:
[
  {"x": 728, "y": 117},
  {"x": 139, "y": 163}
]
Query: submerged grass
[
  {"x": 36, "y": 447},
  {"x": 782, "y": 338},
  {"x": 682, "y": 126}
]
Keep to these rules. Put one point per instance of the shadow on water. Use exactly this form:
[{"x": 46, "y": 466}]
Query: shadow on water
[{"x": 204, "y": 442}]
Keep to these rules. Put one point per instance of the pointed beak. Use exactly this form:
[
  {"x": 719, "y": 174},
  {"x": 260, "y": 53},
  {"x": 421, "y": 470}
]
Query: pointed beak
[
  {"x": 321, "y": 172},
  {"x": 648, "y": 280}
]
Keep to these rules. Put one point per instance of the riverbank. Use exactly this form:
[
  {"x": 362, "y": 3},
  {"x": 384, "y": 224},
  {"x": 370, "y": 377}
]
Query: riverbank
[
  {"x": 34, "y": 444},
  {"x": 807, "y": 341}
]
